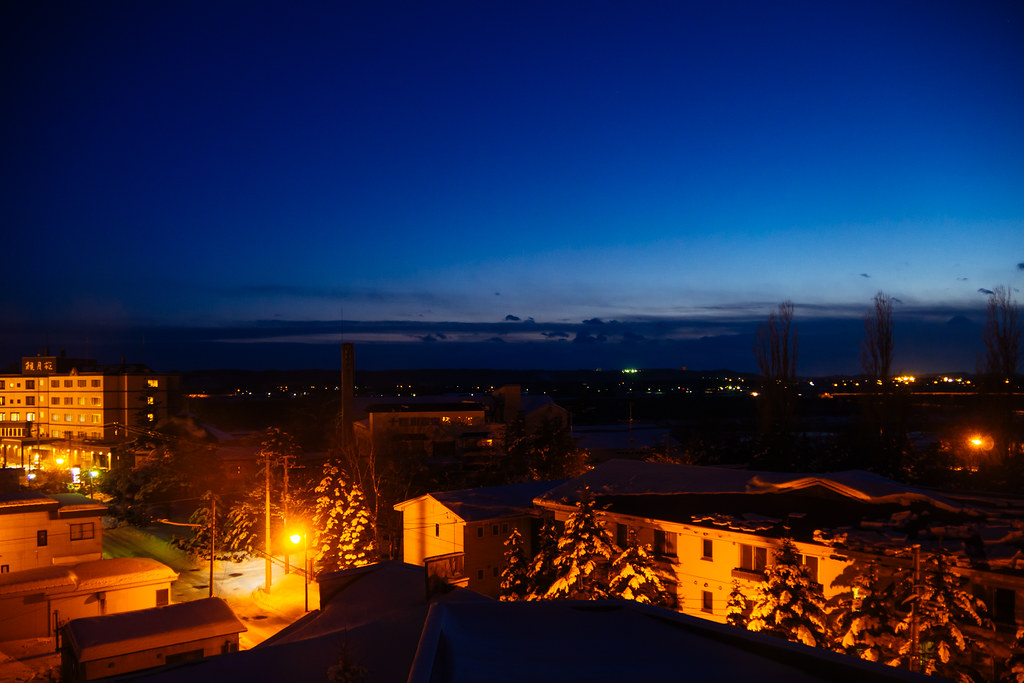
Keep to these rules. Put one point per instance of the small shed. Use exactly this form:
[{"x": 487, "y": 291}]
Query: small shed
[{"x": 115, "y": 644}]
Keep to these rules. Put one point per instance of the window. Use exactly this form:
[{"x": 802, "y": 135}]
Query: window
[
  {"x": 81, "y": 382},
  {"x": 162, "y": 597},
  {"x": 3, "y": 400},
  {"x": 3, "y": 384},
  {"x": 67, "y": 417},
  {"x": 495, "y": 571},
  {"x": 68, "y": 401},
  {"x": 480, "y": 573},
  {"x": 753, "y": 558},
  {"x": 494, "y": 530},
  {"x": 504, "y": 529},
  {"x": 150, "y": 400},
  {"x": 15, "y": 417},
  {"x": 95, "y": 419},
  {"x": 479, "y": 532},
  {"x": 183, "y": 656},
  {"x": 30, "y": 400},
  {"x": 707, "y": 550},
  {"x": 55, "y": 433},
  {"x": 30, "y": 384},
  {"x": 41, "y": 538},
  {"x": 30, "y": 417},
  {"x": 95, "y": 383},
  {"x": 68, "y": 384},
  {"x": 81, "y": 418},
  {"x": 437, "y": 529},
  {"x": 664, "y": 543},
  {"x": 707, "y": 602},
  {"x": 3, "y": 417},
  {"x": 811, "y": 563},
  {"x": 80, "y": 532},
  {"x": 95, "y": 400},
  {"x": 81, "y": 400},
  {"x": 54, "y": 400},
  {"x": 152, "y": 383},
  {"x": 5, "y": 568}
]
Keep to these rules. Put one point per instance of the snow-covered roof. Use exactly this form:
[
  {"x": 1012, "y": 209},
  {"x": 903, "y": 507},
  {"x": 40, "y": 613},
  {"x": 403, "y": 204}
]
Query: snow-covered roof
[
  {"x": 375, "y": 614},
  {"x": 26, "y": 499},
  {"x": 492, "y": 502},
  {"x": 611, "y": 641},
  {"x": 111, "y": 635},
  {"x": 95, "y": 575},
  {"x": 633, "y": 477},
  {"x": 76, "y": 502}
]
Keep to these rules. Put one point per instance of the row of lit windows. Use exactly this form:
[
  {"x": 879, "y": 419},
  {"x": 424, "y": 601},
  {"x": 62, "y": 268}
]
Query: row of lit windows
[
  {"x": 72, "y": 400},
  {"x": 95, "y": 418},
  {"x": 70, "y": 434},
  {"x": 30, "y": 384}
]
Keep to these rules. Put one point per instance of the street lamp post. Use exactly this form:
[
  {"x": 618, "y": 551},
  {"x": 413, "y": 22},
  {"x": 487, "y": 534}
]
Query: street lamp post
[{"x": 295, "y": 538}]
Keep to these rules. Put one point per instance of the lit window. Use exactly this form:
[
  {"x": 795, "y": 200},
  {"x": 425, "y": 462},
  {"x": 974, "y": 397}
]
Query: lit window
[
  {"x": 95, "y": 419},
  {"x": 81, "y": 400},
  {"x": 67, "y": 417},
  {"x": 149, "y": 400},
  {"x": 15, "y": 417},
  {"x": 81, "y": 418},
  {"x": 152, "y": 383},
  {"x": 31, "y": 417},
  {"x": 95, "y": 400}
]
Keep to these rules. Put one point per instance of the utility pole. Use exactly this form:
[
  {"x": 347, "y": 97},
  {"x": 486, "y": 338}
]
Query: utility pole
[
  {"x": 213, "y": 536},
  {"x": 915, "y": 649},
  {"x": 286, "y": 461},
  {"x": 266, "y": 465}
]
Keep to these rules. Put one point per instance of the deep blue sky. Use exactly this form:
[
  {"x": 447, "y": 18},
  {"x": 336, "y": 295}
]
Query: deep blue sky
[{"x": 467, "y": 183}]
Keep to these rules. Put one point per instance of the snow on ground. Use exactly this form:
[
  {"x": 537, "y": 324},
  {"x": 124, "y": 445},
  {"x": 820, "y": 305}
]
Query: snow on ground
[{"x": 239, "y": 583}]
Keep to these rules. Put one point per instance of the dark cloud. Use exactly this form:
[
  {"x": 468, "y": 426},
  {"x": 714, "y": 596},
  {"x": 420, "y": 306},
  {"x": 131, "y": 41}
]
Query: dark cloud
[
  {"x": 557, "y": 334},
  {"x": 630, "y": 337},
  {"x": 511, "y": 318},
  {"x": 986, "y": 292},
  {"x": 961, "y": 279},
  {"x": 897, "y": 300},
  {"x": 428, "y": 338},
  {"x": 530, "y": 321},
  {"x": 865, "y": 275},
  {"x": 497, "y": 340},
  {"x": 583, "y": 337},
  {"x": 593, "y": 321},
  {"x": 1020, "y": 266}
]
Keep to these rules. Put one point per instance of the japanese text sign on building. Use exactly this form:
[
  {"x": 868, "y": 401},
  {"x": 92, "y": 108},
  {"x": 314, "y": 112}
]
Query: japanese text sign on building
[{"x": 38, "y": 365}]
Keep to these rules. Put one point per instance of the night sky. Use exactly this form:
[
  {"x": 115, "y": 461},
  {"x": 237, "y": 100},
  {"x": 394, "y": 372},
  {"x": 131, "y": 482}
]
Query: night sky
[{"x": 506, "y": 184}]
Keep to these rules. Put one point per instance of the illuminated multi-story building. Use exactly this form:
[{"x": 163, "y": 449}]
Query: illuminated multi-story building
[{"x": 70, "y": 412}]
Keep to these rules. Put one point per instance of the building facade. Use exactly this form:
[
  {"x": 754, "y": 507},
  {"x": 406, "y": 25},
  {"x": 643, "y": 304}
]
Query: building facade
[
  {"x": 38, "y": 530},
  {"x": 60, "y": 412}
]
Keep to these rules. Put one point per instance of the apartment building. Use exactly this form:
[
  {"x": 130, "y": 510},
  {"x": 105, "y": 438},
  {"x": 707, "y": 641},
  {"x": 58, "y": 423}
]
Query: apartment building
[{"x": 69, "y": 412}]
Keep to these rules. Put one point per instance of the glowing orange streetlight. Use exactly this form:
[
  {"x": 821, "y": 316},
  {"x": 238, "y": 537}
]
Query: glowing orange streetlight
[{"x": 296, "y": 538}]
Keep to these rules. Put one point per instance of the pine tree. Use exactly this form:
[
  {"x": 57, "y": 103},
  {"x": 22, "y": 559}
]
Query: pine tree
[
  {"x": 738, "y": 606},
  {"x": 585, "y": 550},
  {"x": 515, "y": 580},
  {"x": 343, "y": 529},
  {"x": 541, "y": 571},
  {"x": 788, "y": 604},
  {"x": 1013, "y": 667},
  {"x": 634, "y": 576},
  {"x": 862, "y": 616},
  {"x": 942, "y": 607}
]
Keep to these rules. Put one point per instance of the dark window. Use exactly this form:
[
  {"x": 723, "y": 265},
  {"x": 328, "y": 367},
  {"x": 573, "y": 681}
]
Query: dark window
[
  {"x": 495, "y": 571},
  {"x": 163, "y": 597},
  {"x": 41, "y": 537},
  {"x": 480, "y": 532},
  {"x": 504, "y": 529},
  {"x": 184, "y": 656},
  {"x": 664, "y": 543},
  {"x": 707, "y": 549},
  {"x": 4, "y": 568},
  {"x": 707, "y": 601},
  {"x": 752, "y": 558},
  {"x": 479, "y": 573},
  {"x": 494, "y": 530},
  {"x": 83, "y": 531},
  {"x": 812, "y": 567},
  {"x": 437, "y": 529},
  {"x": 1004, "y": 606},
  {"x": 30, "y": 384}
]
